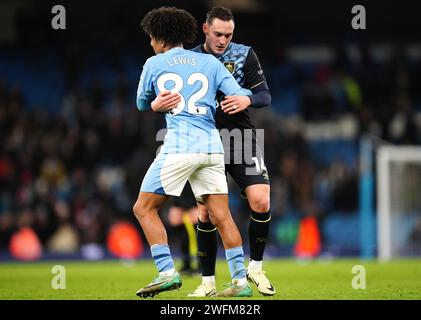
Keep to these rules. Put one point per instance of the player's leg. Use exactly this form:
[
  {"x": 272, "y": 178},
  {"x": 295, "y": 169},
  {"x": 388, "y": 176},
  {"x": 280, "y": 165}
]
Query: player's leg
[
  {"x": 221, "y": 218},
  {"x": 258, "y": 197},
  {"x": 146, "y": 212},
  {"x": 166, "y": 176},
  {"x": 253, "y": 179},
  {"x": 207, "y": 249},
  {"x": 259, "y": 203},
  {"x": 210, "y": 183}
]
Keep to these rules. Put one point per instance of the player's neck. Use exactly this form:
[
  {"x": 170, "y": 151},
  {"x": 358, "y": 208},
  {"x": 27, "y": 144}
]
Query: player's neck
[
  {"x": 207, "y": 49},
  {"x": 169, "y": 47}
]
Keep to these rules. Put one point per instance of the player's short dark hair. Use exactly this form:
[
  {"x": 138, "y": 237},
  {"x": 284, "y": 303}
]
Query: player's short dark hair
[
  {"x": 170, "y": 24},
  {"x": 221, "y": 13}
]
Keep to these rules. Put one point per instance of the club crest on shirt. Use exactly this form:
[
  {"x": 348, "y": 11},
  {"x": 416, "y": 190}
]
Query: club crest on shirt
[{"x": 230, "y": 66}]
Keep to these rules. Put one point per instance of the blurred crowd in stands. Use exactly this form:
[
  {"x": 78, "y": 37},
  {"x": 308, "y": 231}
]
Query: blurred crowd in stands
[{"x": 71, "y": 173}]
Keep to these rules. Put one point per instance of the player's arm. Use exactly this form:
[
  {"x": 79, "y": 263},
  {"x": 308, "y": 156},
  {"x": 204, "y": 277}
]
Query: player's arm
[
  {"x": 256, "y": 81},
  {"x": 145, "y": 91}
]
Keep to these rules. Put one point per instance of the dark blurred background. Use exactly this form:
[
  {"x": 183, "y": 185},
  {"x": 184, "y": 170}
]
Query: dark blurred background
[{"x": 74, "y": 148}]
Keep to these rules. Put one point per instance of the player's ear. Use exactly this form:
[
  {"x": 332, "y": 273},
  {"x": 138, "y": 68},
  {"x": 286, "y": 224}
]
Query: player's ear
[{"x": 205, "y": 28}]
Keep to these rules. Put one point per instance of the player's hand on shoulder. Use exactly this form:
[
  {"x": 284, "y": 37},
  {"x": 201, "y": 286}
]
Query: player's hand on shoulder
[
  {"x": 235, "y": 104},
  {"x": 165, "y": 101}
]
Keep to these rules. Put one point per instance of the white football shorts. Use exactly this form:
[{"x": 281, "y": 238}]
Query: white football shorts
[{"x": 169, "y": 173}]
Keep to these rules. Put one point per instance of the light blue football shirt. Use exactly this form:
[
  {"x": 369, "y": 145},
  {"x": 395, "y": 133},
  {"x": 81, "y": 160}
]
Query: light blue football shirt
[{"x": 196, "y": 77}]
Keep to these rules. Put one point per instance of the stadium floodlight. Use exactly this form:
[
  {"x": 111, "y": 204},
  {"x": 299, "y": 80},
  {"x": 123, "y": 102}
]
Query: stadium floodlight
[{"x": 398, "y": 200}]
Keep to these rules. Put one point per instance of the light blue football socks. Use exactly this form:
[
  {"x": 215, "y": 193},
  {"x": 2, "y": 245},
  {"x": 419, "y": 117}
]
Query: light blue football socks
[
  {"x": 235, "y": 259},
  {"x": 162, "y": 256}
]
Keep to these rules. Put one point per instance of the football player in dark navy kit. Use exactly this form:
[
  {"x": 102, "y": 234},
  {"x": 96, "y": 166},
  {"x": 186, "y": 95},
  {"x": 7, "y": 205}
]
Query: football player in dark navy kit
[{"x": 245, "y": 164}]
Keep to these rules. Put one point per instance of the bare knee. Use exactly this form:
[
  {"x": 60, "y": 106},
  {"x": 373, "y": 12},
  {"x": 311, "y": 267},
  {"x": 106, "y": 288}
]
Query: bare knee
[
  {"x": 260, "y": 204},
  {"x": 141, "y": 209},
  {"x": 258, "y": 196},
  {"x": 147, "y": 203},
  {"x": 203, "y": 214},
  {"x": 137, "y": 209}
]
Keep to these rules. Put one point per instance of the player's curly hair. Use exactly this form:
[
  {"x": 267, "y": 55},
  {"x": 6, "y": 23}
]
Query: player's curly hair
[
  {"x": 171, "y": 25},
  {"x": 221, "y": 13}
]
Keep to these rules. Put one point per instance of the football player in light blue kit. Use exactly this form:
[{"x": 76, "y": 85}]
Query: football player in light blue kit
[{"x": 192, "y": 150}]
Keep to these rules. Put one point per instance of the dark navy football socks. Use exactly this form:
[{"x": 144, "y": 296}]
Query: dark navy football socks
[
  {"x": 258, "y": 233},
  {"x": 207, "y": 247}
]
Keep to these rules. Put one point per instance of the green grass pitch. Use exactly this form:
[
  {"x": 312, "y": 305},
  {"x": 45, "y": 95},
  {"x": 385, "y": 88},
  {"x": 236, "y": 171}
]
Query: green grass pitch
[{"x": 315, "y": 279}]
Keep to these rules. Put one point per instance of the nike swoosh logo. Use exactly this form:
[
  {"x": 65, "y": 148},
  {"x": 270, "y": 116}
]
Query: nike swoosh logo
[
  {"x": 155, "y": 284},
  {"x": 271, "y": 288}
]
